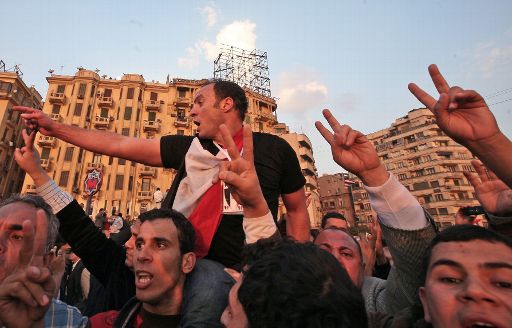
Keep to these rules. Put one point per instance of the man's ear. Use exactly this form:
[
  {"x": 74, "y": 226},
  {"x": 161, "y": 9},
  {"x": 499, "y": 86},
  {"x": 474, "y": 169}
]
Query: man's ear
[
  {"x": 424, "y": 302},
  {"x": 188, "y": 262},
  {"x": 227, "y": 104}
]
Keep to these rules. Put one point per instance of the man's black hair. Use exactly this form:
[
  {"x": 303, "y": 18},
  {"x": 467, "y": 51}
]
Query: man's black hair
[
  {"x": 332, "y": 215},
  {"x": 224, "y": 89},
  {"x": 290, "y": 284},
  {"x": 186, "y": 233},
  {"x": 461, "y": 233}
]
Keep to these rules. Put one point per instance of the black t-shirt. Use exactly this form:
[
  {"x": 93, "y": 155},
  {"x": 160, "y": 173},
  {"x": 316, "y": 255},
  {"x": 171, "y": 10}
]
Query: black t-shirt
[{"x": 278, "y": 171}]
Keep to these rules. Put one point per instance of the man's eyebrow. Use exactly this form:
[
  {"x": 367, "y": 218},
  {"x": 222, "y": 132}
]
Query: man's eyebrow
[
  {"x": 497, "y": 265},
  {"x": 200, "y": 97},
  {"x": 447, "y": 262},
  {"x": 160, "y": 239},
  {"x": 16, "y": 227}
]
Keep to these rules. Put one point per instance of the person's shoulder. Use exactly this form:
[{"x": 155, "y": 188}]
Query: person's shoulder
[
  {"x": 171, "y": 137},
  {"x": 266, "y": 138},
  {"x": 62, "y": 314}
]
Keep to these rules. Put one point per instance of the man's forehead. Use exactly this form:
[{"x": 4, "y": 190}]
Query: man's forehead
[
  {"x": 471, "y": 251},
  {"x": 18, "y": 211},
  {"x": 158, "y": 228},
  {"x": 335, "y": 237}
]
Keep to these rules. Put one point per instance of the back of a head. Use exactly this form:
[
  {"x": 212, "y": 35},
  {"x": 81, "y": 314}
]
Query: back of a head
[
  {"x": 186, "y": 233},
  {"x": 299, "y": 285}
]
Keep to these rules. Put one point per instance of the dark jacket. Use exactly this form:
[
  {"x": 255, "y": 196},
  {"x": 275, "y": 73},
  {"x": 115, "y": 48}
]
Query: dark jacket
[{"x": 101, "y": 256}]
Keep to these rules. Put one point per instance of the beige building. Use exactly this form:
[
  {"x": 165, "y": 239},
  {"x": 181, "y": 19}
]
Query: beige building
[
  {"x": 335, "y": 195},
  {"x": 132, "y": 107},
  {"x": 427, "y": 162},
  {"x": 13, "y": 92},
  {"x": 304, "y": 150}
]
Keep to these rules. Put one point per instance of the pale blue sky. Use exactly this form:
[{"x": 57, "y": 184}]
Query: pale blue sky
[{"x": 355, "y": 57}]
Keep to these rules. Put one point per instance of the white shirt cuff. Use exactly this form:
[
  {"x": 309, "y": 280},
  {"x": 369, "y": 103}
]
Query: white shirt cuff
[
  {"x": 396, "y": 206},
  {"x": 54, "y": 196},
  {"x": 259, "y": 228}
]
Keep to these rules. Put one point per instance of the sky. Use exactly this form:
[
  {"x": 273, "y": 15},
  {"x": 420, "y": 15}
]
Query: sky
[{"x": 354, "y": 57}]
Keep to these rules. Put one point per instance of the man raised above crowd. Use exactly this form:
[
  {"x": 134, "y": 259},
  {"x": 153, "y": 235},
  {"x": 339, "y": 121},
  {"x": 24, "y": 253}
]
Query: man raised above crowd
[{"x": 219, "y": 236}]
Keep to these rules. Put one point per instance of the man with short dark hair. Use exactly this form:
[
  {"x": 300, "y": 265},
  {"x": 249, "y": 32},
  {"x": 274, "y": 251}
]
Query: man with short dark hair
[
  {"x": 163, "y": 257},
  {"x": 467, "y": 279},
  {"x": 334, "y": 219}
]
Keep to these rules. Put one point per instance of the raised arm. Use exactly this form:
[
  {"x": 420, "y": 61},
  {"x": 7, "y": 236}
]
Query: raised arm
[
  {"x": 465, "y": 117},
  {"x": 240, "y": 176},
  {"x": 146, "y": 151}
]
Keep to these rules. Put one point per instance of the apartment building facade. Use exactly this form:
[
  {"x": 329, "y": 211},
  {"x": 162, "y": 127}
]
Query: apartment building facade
[
  {"x": 428, "y": 162},
  {"x": 304, "y": 150},
  {"x": 13, "y": 92},
  {"x": 132, "y": 107}
]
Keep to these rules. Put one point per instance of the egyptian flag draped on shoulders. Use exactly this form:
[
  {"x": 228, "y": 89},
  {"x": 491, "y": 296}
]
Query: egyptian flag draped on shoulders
[{"x": 197, "y": 197}]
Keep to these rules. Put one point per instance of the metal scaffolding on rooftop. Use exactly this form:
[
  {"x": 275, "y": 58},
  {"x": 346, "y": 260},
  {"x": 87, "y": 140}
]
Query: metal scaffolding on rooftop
[{"x": 246, "y": 68}]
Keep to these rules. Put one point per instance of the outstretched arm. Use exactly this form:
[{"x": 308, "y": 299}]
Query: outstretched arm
[
  {"x": 465, "y": 117},
  {"x": 146, "y": 151}
]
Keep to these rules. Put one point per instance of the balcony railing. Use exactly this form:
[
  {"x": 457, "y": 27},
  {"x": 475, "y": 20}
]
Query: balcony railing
[
  {"x": 182, "y": 101},
  {"x": 105, "y": 102},
  {"x": 56, "y": 117},
  {"x": 151, "y": 126},
  {"x": 46, "y": 163},
  {"x": 102, "y": 122},
  {"x": 181, "y": 122},
  {"x": 57, "y": 98},
  {"x": 47, "y": 141},
  {"x": 144, "y": 195},
  {"x": 93, "y": 166},
  {"x": 148, "y": 171},
  {"x": 153, "y": 105}
]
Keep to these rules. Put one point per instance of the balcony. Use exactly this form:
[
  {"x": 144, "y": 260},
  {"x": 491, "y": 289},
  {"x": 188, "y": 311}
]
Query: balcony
[
  {"x": 30, "y": 189},
  {"x": 181, "y": 122},
  {"x": 57, "y": 98},
  {"x": 95, "y": 166},
  {"x": 264, "y": 116},
  {"x": 153, "y": 126},
  {"x": 47, "y": 141},
  {"x": 306, "y": 154},
  {"x": 153, "y": 105},
  {"x": 144, "y": 195},
  {"x": 148, "y": 171},
  {"x": 56, "y": 117},
  {"x": 182, "y": 101},
  {"x": 102, "y": 122},
  {"x": 105, "y": 102},
  {"x": 46, "y": 163},
  {"x": 311, "y": 182},
  {"x": 308, "y": 168}
]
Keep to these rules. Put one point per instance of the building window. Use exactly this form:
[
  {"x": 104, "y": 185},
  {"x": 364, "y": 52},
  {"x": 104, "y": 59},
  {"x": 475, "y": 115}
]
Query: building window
[
  {"x": 430, "y": 170},
  {"x": 61, "y": 88},
  {"x": 78, "y": 109},
  {"x": 68, "y": 157},
  {"x": 467, "y": 168},
  {"x": 180, "y": 132},
  {"x": 451, "y": 168},
  {"x": 181, "y": 114},
  {"x": 119, "y": 182},
  {"x": 56, "y": 109},
  {"x": 153, "y": 96},
  {"x": 128, "y": 113},
  {"x": 121, "y": 161},
  {"x": 81, "y": 90},
  {"x": 63, "y": 181},
  {"x": 402, "y": 176},
  {"x": 152, "y": 116},
  {"x": 130, "y": 93},
  {"x": 438, "y": 197},
  {"x": 146, "y": 184},
  {"x": 434, "y": 184},
  {"x": 182, "y": 93},
  {"x": 104, "y": 112},
  {"x": 443, "y": 211},
  {"x": 45, "y": 153},
  {"x": 96, "y": 158},
  {"x": 125, "y": 131},
  {"x": 107, "y": 93}
]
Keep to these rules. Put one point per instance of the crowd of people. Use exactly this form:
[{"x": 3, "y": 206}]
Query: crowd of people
[{"x": 190, "y": 262}]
